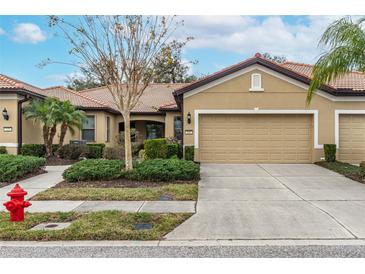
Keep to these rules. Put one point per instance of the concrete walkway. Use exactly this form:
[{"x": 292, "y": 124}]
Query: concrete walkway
[
  {"x": 272, "y": 201},
  {"x": 128, "y": 206},
  {"x": 53, "y": 176},
  {"x": 36, "y": 184}
]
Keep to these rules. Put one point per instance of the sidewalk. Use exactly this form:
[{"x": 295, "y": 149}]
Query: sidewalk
[
  {"x": 53, "y": 176},
  {"x": 128, "y": 206},
  {"x": 37, "y": 183}
]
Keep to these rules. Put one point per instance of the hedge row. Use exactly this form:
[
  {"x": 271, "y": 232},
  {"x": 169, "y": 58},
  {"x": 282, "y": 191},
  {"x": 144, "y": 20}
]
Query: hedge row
[
  {"x": 91, "y": 151},
  {"x": 14, "y": 167},
  {"x": 159, "y": 170}
]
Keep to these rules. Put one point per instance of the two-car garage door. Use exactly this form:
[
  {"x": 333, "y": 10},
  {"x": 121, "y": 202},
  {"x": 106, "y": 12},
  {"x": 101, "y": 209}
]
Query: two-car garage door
[{"x": 251, "y": 138}]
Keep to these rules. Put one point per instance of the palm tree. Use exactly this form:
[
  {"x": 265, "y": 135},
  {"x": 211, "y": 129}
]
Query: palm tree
[
  {"x": 70, "y": 118},
  {"x": 44, "y": 112},
  {"x": 346, "y": 42}
]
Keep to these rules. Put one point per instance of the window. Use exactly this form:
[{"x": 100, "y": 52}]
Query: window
[
  {"x": 107, "y": 122},
  {"x": 133, "y": 130},
  {"x": 256, "y": 82},
  {"x": 88, "y": 129},
  {"x": 154, "y": 130},
  {"x": 178, "y": 127}
]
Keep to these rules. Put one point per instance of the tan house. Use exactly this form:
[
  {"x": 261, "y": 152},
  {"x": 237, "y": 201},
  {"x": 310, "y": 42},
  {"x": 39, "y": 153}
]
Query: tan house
[{"x": 251, "y": 112}]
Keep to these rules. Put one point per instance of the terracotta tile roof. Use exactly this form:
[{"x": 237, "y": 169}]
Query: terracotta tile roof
[
  {"x": 354, "y": 80},
  {"x": 7, "y": 82},
  {"x": 170, "y": 106},
  {"x": 351, "y": 84},
  {"x": 154, "y": 98},
  {"x": 76, "y": 98},
  {"x": 157, "y": 97}
]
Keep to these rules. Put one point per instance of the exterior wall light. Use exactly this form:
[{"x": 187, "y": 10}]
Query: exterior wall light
[
  {"x": 5, "y": 114},
  {"x": 189, "y": 118}
]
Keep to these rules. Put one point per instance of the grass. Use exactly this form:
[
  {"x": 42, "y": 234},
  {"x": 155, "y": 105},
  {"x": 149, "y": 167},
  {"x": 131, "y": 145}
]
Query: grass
[
  {"x": 346, "y": 169},
  {"x": 182, "y": 192},
  {"x": 103, "y": 225}
]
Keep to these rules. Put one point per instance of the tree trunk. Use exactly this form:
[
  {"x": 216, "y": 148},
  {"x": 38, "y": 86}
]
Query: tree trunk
[
  {"x": 127, "y": 142},
  {"x": 62, "y": 136},
  {"x": 52, "y": 133},
  {"x": 45, "y": 137}
]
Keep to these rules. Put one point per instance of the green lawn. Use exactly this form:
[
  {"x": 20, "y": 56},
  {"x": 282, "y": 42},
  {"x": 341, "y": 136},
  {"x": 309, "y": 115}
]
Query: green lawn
[
  {"x": 346, "y": 169},
  {"x": 183, "y": 192},
  {"x": 103, "y": 225}
]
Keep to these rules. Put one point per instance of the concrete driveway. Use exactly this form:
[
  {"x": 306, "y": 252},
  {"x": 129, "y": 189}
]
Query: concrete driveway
[{"x": 275, "y": 201}]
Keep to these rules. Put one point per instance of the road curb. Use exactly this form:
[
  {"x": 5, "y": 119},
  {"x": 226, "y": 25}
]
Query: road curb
[{"x": 193, "y": 243}]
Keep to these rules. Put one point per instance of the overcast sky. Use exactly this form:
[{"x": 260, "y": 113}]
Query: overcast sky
[{"x": 219, "y": 41}]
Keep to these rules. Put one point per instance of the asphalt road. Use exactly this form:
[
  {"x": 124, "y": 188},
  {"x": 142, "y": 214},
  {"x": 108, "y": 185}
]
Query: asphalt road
[{"x": 310, "y": 251}]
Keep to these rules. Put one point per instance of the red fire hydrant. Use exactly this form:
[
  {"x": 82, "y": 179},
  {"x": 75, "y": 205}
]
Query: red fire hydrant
[{"x": 17, "y": 204}]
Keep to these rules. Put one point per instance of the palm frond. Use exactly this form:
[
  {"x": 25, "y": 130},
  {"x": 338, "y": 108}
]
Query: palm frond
[{"x": 346, "y": 41}]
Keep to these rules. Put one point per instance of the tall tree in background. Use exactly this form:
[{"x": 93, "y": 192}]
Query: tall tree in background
[
  {"x": 170, "y": 66},
  {"x": 83, "y": 81},
  {"x": 346, "y": 42},
  {"x": 276, "y": 58},
  {"x": 123, "y": 52}
]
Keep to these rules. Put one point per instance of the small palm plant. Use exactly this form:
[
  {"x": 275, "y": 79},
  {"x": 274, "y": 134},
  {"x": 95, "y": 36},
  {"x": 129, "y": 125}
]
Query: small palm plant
[
  {"x": 45, "y": 112},
  {"x": 70, "y": 118},
  {"x": 346, "y": 41}
]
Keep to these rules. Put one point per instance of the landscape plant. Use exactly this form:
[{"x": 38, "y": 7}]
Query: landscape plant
[
  {"x": 47, "y": 113},
  {"x": 14, "y": 167},
  {"x": 121, "y": 51},
  {"x": 345, "y": 40}
]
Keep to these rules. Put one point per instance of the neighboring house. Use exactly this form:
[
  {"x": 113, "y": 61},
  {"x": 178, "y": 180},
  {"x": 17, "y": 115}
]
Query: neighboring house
[
  {"x": 251, "y": 112},
  {"x": 155, "y": 116}
]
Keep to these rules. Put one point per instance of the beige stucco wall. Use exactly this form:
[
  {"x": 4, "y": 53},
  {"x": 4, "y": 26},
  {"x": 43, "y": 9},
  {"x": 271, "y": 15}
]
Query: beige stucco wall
[
  {"x": 32, "y": 131},
  {"x": 277, "y": 94},
  {"x": 9, "y": 139},
  {"x": 169, "y": 123}
]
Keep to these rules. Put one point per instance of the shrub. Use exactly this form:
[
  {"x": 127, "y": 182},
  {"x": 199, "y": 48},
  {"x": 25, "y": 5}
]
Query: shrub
[
  {"x": 73, "y": 152},
  {"x": 362, "y": 165},
  {"x": 189, "y": 153},
  {"x": 54, "y": 148},
  {"x": 165, "y": 170},
  {"x": 93, "y": 170},
  {"x": 155, "y": 148},
  {"x": 329, "y": 152},
  {"x": 172, "y": 150},
  {"x": 102, "y": 146},
  {"x": 37, "y": 150},
  {"x": 136, "y": 147},
  {"x": 3, "y": 150},
  {"x": 95, "y": 152},
  {"x": 112, "y": 153},
  {"x": 14, "y": 167},
  {"x": 142, "y": 155}
]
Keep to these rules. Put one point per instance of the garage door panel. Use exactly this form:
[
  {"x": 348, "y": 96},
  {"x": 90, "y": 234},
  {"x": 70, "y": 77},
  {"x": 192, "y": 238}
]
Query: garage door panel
[
  {"x": 352, "y": 138},
  {"x": 255, "y": 138}
]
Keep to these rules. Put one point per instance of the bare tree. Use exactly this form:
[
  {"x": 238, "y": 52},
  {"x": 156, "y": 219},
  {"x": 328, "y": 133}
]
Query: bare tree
[{"x": 121, "y": 51}]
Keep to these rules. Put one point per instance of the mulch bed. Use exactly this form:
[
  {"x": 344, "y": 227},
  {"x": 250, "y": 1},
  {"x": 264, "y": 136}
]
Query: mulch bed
[
  {"x": 55, "y": 161},
  {"x": 29, "y": 175},
  {"x": 347, "y": 170},
  {"x": 117, "y": 183},
  {"x": 355, "y": 178}
]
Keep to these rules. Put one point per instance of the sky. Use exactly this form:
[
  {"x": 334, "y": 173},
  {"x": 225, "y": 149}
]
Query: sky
[{"x": 219, "y": 41}]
